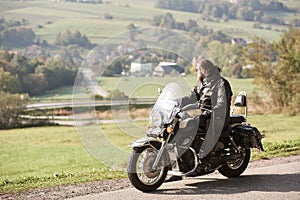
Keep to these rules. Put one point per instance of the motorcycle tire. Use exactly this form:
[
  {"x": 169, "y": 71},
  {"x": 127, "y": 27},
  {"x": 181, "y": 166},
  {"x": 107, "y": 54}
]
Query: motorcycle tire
[
  {"x": 155, "y": 178},
  {"x": 236, "y": 168}
]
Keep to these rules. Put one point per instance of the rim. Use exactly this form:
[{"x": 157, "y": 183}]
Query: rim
[
  {"x": 143, "y": 167},
  {"x": 237, "y": 163}
]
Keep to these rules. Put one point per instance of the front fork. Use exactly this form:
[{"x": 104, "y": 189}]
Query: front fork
[
  {"x": 160, "y": 153},
  {"x": 164, "y": 144}
]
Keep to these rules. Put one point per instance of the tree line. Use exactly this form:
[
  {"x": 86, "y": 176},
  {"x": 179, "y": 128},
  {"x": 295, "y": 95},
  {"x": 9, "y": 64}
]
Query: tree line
[
  {"x": 249, "y": 10},
  {"x": 34, "y": 76},
  {"x": 15, "y": 34}
]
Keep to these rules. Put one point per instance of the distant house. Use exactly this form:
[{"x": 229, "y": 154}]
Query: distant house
[
  {"x": 139, "y": 68},
  {"x": 238, "y": 41},
  {"x": 168, "y": 69}
]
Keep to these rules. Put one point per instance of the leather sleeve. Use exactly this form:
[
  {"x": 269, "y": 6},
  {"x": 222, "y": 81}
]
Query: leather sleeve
[{"x": 191, "y": 98}]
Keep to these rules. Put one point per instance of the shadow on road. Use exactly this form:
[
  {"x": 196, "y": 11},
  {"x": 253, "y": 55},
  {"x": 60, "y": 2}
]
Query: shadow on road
[{"x": 246, "y": 183}]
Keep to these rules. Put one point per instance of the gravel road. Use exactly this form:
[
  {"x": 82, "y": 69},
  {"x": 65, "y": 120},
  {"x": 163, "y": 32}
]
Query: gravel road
[{"x": 277, "y": 178}]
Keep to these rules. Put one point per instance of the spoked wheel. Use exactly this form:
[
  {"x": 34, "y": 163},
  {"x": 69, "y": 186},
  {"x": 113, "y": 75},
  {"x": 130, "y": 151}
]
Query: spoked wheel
[
  {"x": 236, "y": 167},
  {"x": 140, "y": 172}
]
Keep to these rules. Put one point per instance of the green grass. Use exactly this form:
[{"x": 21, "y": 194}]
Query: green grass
[
  {"x": 38, "y": 151},
  {"x": 281, "y": 134},
  {"x": 47, "y": 156},
  {"x": 147, "y": 86},
  {"x": 64, "y": 93},
  {"x": 89, "y": 18},
  {"x": 139, "y": 87}
]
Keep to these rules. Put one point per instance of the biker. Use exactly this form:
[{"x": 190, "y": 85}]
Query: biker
[{"x": 214, "y": 93}]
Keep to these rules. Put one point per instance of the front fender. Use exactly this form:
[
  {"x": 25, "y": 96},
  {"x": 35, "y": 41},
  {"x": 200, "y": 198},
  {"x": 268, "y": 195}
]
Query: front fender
[{"x": 146, "y": 141}]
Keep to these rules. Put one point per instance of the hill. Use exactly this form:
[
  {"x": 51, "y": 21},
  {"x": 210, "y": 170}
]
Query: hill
[{"x": 101, "y": 21}]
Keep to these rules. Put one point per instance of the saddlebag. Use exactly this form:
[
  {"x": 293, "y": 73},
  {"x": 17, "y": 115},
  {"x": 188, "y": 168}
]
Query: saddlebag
[{"x": 247, "y": 136}]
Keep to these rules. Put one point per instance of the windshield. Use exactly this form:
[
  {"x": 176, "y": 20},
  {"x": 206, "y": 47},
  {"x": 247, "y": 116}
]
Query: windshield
[{"x": 169, "y": 99}]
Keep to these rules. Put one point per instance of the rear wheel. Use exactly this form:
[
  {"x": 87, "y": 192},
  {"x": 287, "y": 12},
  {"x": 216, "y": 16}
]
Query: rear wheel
[
  {"x": 236, "y": 167},
  {"x": 140, "y": 172}
]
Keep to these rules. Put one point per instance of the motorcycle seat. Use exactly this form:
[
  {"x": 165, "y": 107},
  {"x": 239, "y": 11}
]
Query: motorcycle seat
[{"x": 237, "y": 119}]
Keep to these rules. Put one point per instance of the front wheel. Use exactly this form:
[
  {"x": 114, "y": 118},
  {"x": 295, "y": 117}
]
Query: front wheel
[
  {"x": 140, "y": 172},
  {"x": 235, "y": 168}
]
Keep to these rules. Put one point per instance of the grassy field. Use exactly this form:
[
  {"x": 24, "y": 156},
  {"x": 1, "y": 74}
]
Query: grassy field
[
  {"x": 147, "y": 86},
  {"x": 89, "y": 19},
  {"x": 139, "y": 87},
  {"x": 46, "y": 156}
]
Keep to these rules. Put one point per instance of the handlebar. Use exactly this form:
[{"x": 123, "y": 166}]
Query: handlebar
[{"x": 193, "y": 107}]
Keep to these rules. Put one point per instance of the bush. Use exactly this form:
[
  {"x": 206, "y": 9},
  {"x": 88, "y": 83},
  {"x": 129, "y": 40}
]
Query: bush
[{"x": 10, "y": 108}]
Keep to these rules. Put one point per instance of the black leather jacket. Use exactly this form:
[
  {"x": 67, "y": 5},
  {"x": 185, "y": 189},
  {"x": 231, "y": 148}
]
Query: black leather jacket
[{"x": 218, "y": 99}]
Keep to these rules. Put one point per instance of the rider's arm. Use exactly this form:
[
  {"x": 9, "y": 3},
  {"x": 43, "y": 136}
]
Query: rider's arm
[
  {"x": 190, "y": 99},
  {"x": 221, "y": 96}
]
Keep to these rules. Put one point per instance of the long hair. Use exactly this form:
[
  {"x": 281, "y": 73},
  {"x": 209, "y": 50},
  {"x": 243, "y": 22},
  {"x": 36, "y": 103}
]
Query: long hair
[{"x": 209, "y": 66}]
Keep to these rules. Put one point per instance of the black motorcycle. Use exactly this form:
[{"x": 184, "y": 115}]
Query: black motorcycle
[{"x": 167, "y": 151}]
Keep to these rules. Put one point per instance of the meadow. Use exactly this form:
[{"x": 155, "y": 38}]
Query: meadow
[
  {"x": 142, "y": 87},
  {"x": 47, "y": 156},
  {"x": 147, "y": 86},
  {"x": 48, "y": 18}
]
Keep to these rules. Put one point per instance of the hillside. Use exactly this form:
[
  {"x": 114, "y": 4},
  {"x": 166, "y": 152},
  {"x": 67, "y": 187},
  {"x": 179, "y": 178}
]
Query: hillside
[{"x": 100, "y": 21}]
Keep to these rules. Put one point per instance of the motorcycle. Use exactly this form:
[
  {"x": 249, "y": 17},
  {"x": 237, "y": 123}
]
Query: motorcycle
[{"x": 167, "y": 151}]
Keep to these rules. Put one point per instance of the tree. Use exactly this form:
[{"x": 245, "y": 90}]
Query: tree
[
  {"x": 225, "y": 56},
  {"x": 132, "y": 31},
  {"x": 168, "y": 21},
  {"x": 244, "y": 13},
  {"x": 10, "y": 108},
  {"x": 35, "y": 84},
  {"x": 58, "y": 72},
  {"x": 236, "y": 70},
  {"x": 68, "y": 37},
  {"x": 114, "y": 68},
  {"x": 18, "y": 37},
  {"x": 9, "y": 83},
  {"x": 277, "y": 67}
]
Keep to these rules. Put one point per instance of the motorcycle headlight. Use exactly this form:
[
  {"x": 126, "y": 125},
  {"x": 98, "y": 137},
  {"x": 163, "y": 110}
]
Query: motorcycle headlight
[{"x": 156, "y": 118}]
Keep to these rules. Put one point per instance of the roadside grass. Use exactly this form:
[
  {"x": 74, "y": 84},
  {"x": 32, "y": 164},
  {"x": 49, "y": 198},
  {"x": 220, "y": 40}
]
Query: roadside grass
[
  {"x": 49, "y": 156},
  {"x": 282, "y": 136}
]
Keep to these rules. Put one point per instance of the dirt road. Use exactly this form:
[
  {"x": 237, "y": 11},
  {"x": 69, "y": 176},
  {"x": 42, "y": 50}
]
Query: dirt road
[{"x": 262, "y": 180}]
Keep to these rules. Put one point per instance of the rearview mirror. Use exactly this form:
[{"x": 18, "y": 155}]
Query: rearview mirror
[{"x": 159, "y": 91}]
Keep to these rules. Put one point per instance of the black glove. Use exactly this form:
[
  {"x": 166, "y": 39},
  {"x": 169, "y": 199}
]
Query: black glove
[{"x": 205, "y": 116}]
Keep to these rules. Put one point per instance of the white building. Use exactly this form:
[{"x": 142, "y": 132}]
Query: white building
[{"x": 140, "y": 68}]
